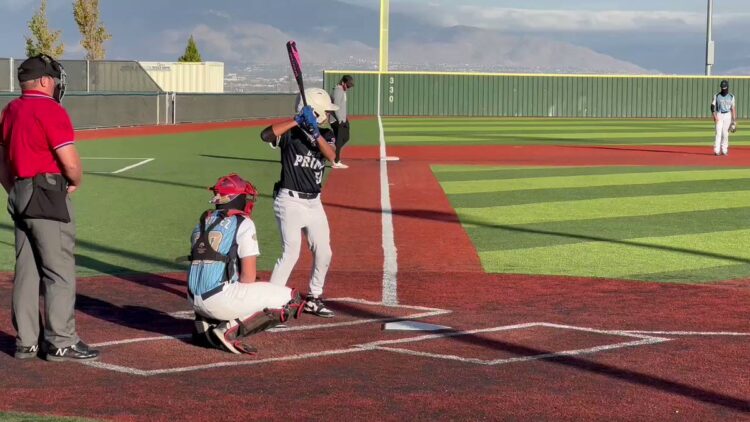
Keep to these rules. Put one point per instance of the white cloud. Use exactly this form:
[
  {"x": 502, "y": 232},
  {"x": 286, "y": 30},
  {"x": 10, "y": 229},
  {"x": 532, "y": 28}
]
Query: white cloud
[
  {"x": 219, "y": 13},
  {"x": 551, "y": 20}
]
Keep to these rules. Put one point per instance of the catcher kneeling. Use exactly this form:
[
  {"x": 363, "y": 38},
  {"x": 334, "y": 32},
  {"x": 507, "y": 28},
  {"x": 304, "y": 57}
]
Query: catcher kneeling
[{"x": 229, "y": 304}]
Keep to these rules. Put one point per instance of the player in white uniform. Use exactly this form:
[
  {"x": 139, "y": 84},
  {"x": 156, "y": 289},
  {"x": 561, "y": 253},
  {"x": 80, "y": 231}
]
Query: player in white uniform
[
  {"x": 723, "y": 107},
  {"x": 228, "y": 303},
  {"x": 297, "y": 203}
]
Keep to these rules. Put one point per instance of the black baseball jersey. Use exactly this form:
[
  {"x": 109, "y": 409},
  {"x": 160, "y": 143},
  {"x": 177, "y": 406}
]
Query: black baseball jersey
[{"x": 302, "y": 165}]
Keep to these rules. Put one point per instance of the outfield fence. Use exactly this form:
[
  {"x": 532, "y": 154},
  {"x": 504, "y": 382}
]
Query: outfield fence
[
  {"x": 516, "y": 95},
  {"x": 98, "y": 110}
]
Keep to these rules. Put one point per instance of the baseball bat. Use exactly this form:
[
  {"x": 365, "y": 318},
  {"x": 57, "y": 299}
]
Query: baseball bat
[{"x": 294, "y": 60}]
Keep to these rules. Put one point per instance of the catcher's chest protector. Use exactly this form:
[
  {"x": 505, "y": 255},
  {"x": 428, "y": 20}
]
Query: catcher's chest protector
[{"x": 209, "y": 240}]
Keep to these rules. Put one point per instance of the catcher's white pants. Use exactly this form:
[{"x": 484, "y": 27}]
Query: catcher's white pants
[
  {"x": 721, "y": 144},
  {"x": 295, "y": 215},
  {"x": 242, "y": 300}
]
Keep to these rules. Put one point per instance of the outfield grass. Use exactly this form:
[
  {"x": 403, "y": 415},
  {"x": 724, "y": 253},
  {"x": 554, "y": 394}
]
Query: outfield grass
[
  {"x": 497, "y": 131},
  {"x": 640, "y": 223}
]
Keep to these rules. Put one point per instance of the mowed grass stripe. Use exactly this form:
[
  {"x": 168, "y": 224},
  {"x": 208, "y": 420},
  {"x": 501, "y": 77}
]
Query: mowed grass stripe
[
  {"x": 623, "y": 178},
  {"x": 524, "y": 129},
  {"x": 506, "y": 237},
  {"x": 602, "y": 208},
  {"x": 719, "y": 272},
  {"x": 492, "y": 199},
  {"x": 540, "y": 121},
  {"x": 557, "y": 135},
  {"x": 624, "y": 259},
  {"x": 501, "y": 173}
]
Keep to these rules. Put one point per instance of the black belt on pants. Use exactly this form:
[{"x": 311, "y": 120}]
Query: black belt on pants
[
  {"x": 302, "y": 195},
  {"x": 209, "y": 293}
]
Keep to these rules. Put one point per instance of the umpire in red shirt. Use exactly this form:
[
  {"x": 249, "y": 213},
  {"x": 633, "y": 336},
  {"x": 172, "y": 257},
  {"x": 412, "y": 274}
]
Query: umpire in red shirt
[{"x": 39, "y": 168}]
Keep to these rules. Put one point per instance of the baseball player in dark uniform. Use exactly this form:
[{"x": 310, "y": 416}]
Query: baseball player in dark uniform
[
  {"x": 297, "y": 203},
  {"x": 40, "y": 167},
  {"x": 340, "y": 124}
]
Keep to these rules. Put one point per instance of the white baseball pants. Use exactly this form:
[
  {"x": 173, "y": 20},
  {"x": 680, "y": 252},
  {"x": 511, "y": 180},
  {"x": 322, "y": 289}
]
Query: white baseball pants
[
  {"x": 295, "y": 215},
  {"x": 242, "y": 300},
  {"x": 721, "y": 144}
]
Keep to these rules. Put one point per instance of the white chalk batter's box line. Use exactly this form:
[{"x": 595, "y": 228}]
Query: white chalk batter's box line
[
  {"x": 141, "y": 161},
  {"x": 642, "y": 338}
]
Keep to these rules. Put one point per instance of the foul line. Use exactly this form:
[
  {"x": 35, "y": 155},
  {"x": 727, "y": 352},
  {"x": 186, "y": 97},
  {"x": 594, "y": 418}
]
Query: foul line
[
  {"x": 390, "y": 255},
  {"x": 148, "y": 160}
]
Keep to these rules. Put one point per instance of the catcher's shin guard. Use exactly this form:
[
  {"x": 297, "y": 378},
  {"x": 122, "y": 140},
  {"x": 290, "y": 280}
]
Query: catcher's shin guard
[
  {"x": 230, "y": 333},
  {"x": 291, "y": 309},
  {"x": 295, "y": 306},
  {"x": 202, "y": 325}
]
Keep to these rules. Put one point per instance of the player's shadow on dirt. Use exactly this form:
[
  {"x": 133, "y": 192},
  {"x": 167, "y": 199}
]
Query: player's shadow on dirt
[
  {"x": 7, "y": 343},
  {"x": 574, "y": 362},
  {"x": 255, "y": 160},
  {"x": 154, "y": 281},
  {"x": 662, "y": 151},
  {"x": 136, "y": 317}
]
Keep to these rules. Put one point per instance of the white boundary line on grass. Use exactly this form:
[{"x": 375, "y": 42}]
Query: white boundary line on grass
[
  {"x": 124, "y": 169},
  {"x": 390, "y": 254}
]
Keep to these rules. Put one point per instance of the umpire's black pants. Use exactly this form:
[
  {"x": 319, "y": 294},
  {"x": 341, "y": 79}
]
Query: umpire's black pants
[{"x": 341, "y": 131}]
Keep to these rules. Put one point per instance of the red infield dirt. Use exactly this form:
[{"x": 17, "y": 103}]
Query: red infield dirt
[{"x": 519, "y": 347}]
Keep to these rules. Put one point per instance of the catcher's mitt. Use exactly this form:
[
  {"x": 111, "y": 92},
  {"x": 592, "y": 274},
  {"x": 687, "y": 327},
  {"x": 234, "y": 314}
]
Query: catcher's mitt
[{"x": 733, "y": 127}]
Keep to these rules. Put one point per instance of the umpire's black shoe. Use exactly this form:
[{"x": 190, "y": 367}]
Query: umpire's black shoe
[
  {"x": 27, "y": 352},
  {"x": 77, "y": 352}
]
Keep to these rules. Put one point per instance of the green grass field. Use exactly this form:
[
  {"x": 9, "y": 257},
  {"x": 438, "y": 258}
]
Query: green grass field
[
  {"x": 641, "y": 223},
  {"x": 644, "y": 223},
  {"x": 487, "y": 131}
]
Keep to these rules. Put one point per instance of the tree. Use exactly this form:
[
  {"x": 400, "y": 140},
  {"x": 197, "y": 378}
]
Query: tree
[
  {"x": 42, "y": 39},
  {"x": 93, "y": 33},
  {"x": 191, "y": 52}
]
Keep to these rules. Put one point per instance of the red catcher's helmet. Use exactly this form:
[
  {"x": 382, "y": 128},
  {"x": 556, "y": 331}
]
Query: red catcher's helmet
[{"x": 227, "y": 188}]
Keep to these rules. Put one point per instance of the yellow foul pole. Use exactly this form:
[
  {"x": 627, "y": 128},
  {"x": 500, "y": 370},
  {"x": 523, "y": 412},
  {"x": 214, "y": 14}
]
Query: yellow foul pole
[{"x": 384, "y": 13}]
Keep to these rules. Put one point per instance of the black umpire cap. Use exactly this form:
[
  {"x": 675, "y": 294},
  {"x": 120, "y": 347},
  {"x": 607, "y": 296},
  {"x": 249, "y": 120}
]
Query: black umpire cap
[
  {"x": 38, "y": 66},
  {"x": 724, "y": 84}
]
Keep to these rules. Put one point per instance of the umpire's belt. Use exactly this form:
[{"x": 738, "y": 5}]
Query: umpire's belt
[
  {"x": 301, "y": 195},
  {"x": 209, "y": 293}
]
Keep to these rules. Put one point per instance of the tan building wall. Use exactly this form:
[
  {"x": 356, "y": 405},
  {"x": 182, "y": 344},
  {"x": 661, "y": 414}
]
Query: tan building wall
[{"x": 205, "y": 77}]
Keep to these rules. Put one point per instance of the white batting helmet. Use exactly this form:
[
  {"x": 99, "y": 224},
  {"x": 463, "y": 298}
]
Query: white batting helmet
[{"x": 320, "y": 102}]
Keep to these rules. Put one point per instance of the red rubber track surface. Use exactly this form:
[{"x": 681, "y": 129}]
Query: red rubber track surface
[{"x": 689, "y": 377}]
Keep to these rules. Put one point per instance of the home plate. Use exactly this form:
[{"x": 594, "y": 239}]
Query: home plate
[
  {"x": 389, "y": 158},
  {"x": 413, "y": 326}
]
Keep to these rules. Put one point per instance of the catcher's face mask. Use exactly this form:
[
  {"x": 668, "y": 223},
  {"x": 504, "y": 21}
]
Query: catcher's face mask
[{"x": 234, "y": 192}]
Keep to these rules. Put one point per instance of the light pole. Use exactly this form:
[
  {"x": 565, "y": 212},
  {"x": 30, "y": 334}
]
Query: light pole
[{"x": 709, "y": 38}]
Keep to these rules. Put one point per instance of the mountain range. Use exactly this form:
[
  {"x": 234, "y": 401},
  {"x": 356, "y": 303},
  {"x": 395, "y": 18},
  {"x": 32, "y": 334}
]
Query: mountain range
[{"x": 334, "y": 33}]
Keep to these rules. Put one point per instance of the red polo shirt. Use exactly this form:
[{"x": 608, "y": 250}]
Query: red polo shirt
[{"x": 32, "y": 127}]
